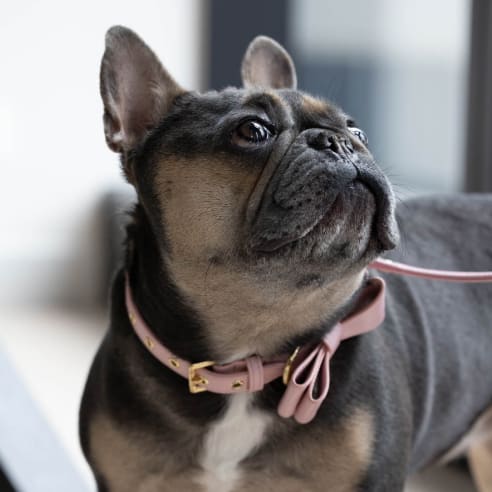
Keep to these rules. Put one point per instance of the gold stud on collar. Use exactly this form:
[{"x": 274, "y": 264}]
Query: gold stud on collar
[
  {"x": 174, "y": 362},
  {"x": 149, "y": 342},
  {"x": 132, "y": 318},
  {"x": 238, "y": 383}
]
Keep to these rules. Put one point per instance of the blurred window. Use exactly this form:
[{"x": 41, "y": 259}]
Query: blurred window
[{"x": 400, "y": 68}]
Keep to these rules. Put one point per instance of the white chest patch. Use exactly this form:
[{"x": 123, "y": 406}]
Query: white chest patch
[{"x": 229, "y": 441}]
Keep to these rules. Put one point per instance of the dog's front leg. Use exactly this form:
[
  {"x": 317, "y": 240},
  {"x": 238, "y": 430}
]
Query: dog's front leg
[{"x": 480, "y": 460}]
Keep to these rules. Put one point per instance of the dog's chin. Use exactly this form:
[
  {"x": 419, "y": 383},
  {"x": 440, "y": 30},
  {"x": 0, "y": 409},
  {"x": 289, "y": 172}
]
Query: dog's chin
[{"x": 350, "y": 229}]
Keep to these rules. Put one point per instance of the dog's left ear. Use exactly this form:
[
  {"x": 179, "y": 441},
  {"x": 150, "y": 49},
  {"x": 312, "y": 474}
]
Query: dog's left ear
[
  {"x": 135, "y": 88},
  {"x": 266, "y": 64}
]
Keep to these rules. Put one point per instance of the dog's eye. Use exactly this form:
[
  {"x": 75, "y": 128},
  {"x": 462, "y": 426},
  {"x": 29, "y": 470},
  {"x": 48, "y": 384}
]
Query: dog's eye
[
  {"x": 251, "y": 133},
  {"x": 359, "y": 134}
]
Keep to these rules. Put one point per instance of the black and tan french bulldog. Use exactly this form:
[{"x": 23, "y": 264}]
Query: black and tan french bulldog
[{"x": 259, "y": 210}]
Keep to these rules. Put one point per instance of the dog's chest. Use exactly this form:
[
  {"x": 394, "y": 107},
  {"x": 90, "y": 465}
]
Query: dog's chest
[{"x": 229, "y": 441}]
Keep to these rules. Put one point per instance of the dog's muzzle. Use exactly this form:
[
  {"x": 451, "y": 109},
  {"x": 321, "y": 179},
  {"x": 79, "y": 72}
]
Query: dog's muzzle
[{"x": 319, "y": 166}]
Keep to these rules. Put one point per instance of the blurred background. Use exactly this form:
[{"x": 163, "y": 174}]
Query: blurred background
[{"x": 416, "y": 75}]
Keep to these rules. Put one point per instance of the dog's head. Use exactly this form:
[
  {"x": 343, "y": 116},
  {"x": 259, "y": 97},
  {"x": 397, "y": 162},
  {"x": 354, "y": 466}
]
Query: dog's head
[{"x": 265, "y": 202}]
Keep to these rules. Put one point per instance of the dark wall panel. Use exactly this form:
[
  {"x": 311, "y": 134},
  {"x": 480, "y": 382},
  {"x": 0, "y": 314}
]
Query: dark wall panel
[
  {"x": 479, "y": 152},
  {"x": 233, "y": 24}
]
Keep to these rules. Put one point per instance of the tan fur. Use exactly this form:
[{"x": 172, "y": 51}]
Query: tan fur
[
  {"x": 480, "y": 431},
  {"x": 243, "y": 313},
  {"x": 310, "y": 462},
  {"x": 339, "y": 457},
  {"x": 242, "y": 318},
  {"x": 202, "y": 199},
  {"x": 480, "y": 460},
  {"x": 477, "y": 446},
  {"x": 314, "y": 105},
  {"x": 276, "y": 99},
  {"x": 132, "y": 465}
]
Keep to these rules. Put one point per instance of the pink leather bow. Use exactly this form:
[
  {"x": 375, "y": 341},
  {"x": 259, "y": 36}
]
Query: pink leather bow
[{"x": 310, "y": 381}]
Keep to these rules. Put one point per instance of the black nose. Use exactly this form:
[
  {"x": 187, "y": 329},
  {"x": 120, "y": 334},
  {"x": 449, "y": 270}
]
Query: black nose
[{"x": 326, "y": 140}]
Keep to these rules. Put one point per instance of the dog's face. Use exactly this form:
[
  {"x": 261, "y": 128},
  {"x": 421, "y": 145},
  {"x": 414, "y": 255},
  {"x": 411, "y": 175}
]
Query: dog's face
[{"x": 265, "y": 201}]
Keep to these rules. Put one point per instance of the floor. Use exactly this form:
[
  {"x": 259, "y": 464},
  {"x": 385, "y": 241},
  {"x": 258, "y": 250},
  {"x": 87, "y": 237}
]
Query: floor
[{"x": 52, "y": 350}]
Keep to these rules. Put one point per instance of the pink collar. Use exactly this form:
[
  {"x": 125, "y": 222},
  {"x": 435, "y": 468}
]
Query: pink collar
[{"x": 306, "y": 372}]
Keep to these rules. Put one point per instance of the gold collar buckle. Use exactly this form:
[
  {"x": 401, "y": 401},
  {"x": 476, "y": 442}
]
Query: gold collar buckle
[
  {"x": 287, "y": 373},
  {"x": 197, "y": 383}
]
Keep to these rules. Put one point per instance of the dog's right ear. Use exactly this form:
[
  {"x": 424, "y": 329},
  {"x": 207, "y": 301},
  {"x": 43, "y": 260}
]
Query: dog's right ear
[
  {"x": 266, "y": 64},
  {"x": 135, "y": 88}
]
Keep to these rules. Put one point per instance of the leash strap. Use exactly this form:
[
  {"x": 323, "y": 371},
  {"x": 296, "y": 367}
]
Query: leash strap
[{"x": 389, "y": 266}]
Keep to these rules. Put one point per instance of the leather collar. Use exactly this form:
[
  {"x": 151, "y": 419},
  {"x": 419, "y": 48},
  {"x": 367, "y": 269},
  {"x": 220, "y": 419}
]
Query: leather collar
[{"x": 306, "y": 372}]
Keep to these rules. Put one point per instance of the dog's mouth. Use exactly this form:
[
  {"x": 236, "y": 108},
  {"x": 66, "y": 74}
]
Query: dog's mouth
[
  {"x": 352, "y": 204},
  {"x": 385, "y": 226},
  {"x": 360, "y": 210}
]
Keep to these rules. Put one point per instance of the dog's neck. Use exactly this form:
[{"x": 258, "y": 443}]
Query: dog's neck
[
  {"x": 192, "y": 334},
  {"x": 172, "y": 321}
]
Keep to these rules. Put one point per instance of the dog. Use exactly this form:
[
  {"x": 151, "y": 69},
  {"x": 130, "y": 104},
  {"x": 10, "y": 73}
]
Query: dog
[{"x": 259, "y": 210}]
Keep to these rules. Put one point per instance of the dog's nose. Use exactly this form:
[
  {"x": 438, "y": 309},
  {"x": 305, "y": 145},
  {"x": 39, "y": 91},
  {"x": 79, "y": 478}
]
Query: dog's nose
[{"x": 325, "y": 140}]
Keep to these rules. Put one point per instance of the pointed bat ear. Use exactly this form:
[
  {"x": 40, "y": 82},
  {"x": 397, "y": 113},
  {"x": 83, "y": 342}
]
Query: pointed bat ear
[
  {"x": 135, "y": 88},
  {"x": 266, "y": 64}
]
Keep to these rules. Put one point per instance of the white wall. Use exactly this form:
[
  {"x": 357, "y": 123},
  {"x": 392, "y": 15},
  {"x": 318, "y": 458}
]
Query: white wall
[{"x": 53, "y": 159}]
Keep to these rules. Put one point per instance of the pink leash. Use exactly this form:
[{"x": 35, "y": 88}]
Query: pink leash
[
  {"x": 449, "y": 276},
  {"x": 306, "y": 372}
]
